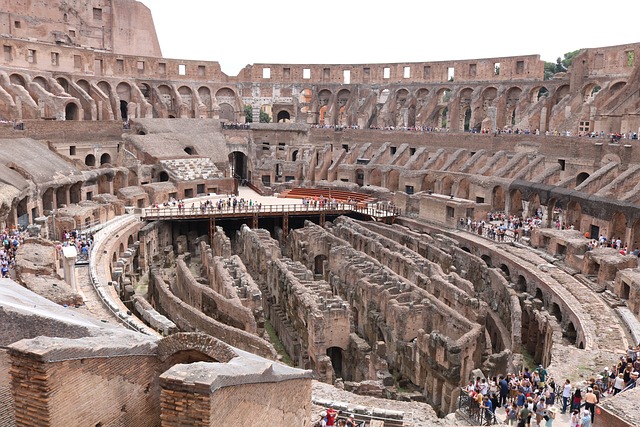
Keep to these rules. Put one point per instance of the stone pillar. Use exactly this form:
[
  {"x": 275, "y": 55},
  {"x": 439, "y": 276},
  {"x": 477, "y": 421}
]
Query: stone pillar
[{"x": 70, "y": 255}]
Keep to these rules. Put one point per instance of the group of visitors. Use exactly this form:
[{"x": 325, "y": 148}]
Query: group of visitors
[
  {"x": 615, "y": 243},
  {"x": 501, "y": 227},
  {"x": 11, "y": 239},
  {"x": 235, "y": 126},
  {"x": 331, "y": 418},
  {"x": 82, "y": 243}
]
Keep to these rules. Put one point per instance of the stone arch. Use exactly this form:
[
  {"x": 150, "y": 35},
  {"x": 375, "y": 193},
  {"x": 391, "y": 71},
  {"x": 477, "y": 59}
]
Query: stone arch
[
  {"x": 574, "y": 214},
  {"x": 17, "y": 79},
  {"x": 615, "y": 87},
  {"x": 133, "y": 178},
  {"x": 422, "y": 93},
  {"x": 130, "y": 241},
  {"x": 505, "y": 270},
  {"x": 393, "y": 180},
  {"x": 534, "y": 204},
  {"x": 497, "y": 198},
  {"x": 376, "y": 177},
  {"x": 539, "y": 295},
  {"x": 446, "y": 185},
  {"x": 75, "y": 193},
  {"x": 145, "y": 90},
  {"x": 487, "y": 260},
  {"x": 194, "y": 343},
  {"x": 444, "y": 95},
  {"x": 166, "y": 97},
  {"x": 428, "y": 183},
  {"x": 84, "y": 85},
  {"x": 225, "y": 92},
  {"x": 489, "y": 94},
  {"x": 283, "y": 116},
  {"x": 90, "y": 160},
  {"x": 324, "y": 96},
  {"x": 105, "y": 158},
  {"x": 570, "y": 333},
  {"x": 124, "y": 91},
  {"x": 515, "y": 203},
  {"x": 42, "y": 82},
  {"x": 513, "y": 98},
  {"x": 581, "y": 177},
  {"x": 556, "y": 312},
  {"x": 163, "y": 176},
  {"x": 521, "y": 284},
  {"x": 561, "y": 92},
  {"x": 71, "y": 111},
  {"x": 538, "y": 93},
  {"x": 619, "y": 226},
  {"x": 61, "y": 196},
  {"x": 294, "y": 155},
  {"x": 462, "y": 191},
  {"x": 186, "y": 95},
  {"x": 205, "y": 96},
  {"x": 64, "y": 83},
  {"x": 226, "y": 112}
]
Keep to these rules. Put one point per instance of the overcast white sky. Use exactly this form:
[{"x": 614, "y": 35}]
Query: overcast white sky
[{"x": 241, "y": 32}]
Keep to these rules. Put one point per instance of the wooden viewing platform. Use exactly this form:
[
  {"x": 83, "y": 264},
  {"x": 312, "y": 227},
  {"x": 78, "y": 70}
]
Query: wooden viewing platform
[{"x": 376, "y": 212}]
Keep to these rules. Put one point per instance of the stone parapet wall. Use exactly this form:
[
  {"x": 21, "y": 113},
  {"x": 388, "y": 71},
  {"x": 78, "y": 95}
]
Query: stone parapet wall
[
  {"x": 207, "y": 299},
  {"x": 188, "y": 318}
]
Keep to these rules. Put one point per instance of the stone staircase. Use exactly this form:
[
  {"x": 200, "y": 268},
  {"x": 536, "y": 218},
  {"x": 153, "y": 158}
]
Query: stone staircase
[{"x": 191, "y": 169}]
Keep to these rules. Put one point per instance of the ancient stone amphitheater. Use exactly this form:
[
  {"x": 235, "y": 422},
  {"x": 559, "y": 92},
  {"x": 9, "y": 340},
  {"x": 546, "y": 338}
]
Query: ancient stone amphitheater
[{"x": 183, "y": 313}]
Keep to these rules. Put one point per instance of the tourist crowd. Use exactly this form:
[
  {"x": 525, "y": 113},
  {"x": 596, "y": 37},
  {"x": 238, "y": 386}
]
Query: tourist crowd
[
  {"x": 11, "y": 240},
  {"x": 535, "y": 395},
  {"x": 501, "y": 227},
  {"x": 82, "y": 243}
]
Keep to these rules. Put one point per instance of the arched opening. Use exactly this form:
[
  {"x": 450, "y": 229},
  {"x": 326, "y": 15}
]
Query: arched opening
[
  {"x": 294, "y": 155},
  {"x": 124, "y": 110},
  {"x": 71, "y": 112},
  {"x": 130, "y": 241},
  {"x": 190, "y": 151},
  {"x": 574, "y": 215},
  {"x": 467, "y": 120},
  {"x": 515, "y": 203},
  {"x": 505, "y": 270},
  {"x": 521, "y": 284},
  {"x": 238, "y": 164},
  {"x": 105, "y": 158},
  {"x": 619, "y": 226},
  {"x": 61, "y": 197},
  {"x": 376, "y": 177},
  {"x": 466, "y": 249},
  {"x": 463, "y": 189},
  {"x": 75, "y": 193},
  {"x": 226, "y": 113},
  {"x": 47, "y": 199},
  {"x": 570, "y": 333},
  {"x": 447, "y": 185},
  {"x": 498, "y": 198},
  {"x": 163, "y": 176},
  {"x": 556, "y": 312},
  {"x": 393, "y": 179},
  {"x": 428, "y": 183},
  {"x": 336, "y": 356},
  {"x": 582, "y": 177},
  {"x": 284, "y": 116},
  {"x": 318, "y": 264},
  {"x": 90, "y": 160},
  {"x": 487, "y": 260},
  {"x": 539, "y": 295}
]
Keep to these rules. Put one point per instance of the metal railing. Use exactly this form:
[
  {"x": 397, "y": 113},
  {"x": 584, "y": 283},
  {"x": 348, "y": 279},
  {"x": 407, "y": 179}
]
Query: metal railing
[
  {"x": 378, "y": 211},
  {"x": 476, "y": 413}
]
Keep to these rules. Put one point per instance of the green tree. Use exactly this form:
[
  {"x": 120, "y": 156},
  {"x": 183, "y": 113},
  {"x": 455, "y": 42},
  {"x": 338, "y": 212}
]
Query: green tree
[
  {"x": 264, "y": 117},
  {"x": 549, "y": 70},
  {"x": 248, "y": 115}
]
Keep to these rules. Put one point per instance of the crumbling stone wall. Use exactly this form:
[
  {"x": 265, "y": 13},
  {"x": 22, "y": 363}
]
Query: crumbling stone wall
[
  {"x": 209, "y": 301},
  {"x": 188, "y": 318}
]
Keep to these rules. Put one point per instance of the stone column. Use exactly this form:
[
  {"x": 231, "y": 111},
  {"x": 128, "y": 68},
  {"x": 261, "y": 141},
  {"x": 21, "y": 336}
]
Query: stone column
[{"x": 70, "y": 254}]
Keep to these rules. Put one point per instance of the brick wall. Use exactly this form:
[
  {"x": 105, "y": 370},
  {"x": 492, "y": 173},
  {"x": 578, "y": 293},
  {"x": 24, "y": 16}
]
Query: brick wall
[
  {"x": 106, "y": 390},
  {"x": 6, "y": 398}
]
